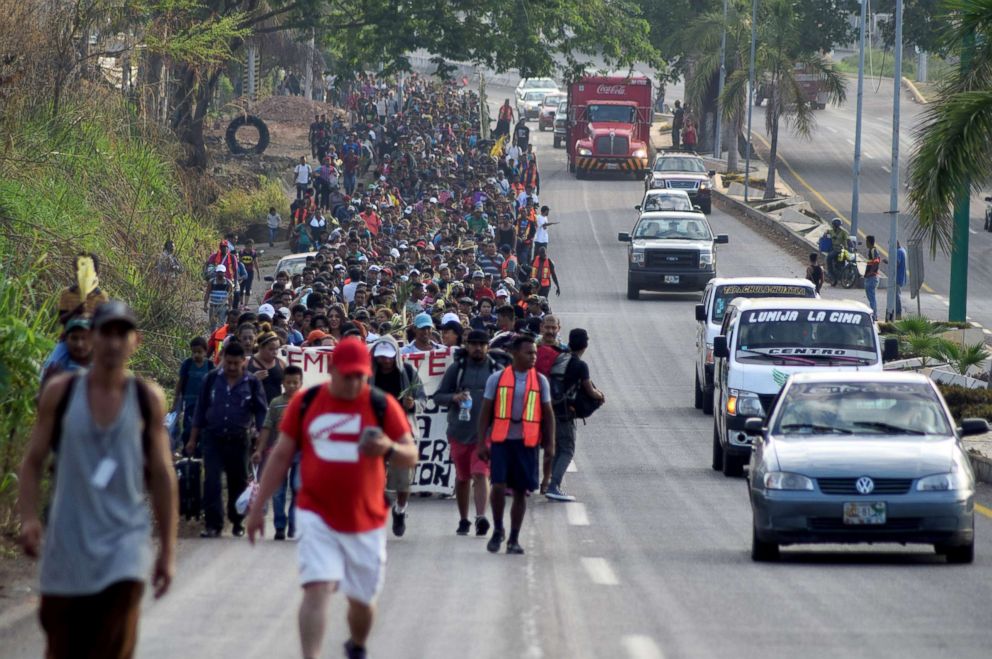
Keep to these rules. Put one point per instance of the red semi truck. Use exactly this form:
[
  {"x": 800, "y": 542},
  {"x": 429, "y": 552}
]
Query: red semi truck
[{"x": 609, "y": 124}]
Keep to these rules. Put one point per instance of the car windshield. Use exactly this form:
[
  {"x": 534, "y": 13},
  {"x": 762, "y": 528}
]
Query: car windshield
[
  {"x": 861, "y": 408},
  {"x": 540, "y": 83},
  {"x": 552, "y": 100},
  {"x": 679, "y": 164},
  {"x": 293, "y": 266},
  {"x": 814, "y": 337},
  {"x": 533, "y": 96},
  {"x": 675, "y": 228},
  {"x": 562, "y": 106},
  {"x": 667, "y": 202},
  {"x": 615, "y": 113},
  {"x": 727, "y": 293}
]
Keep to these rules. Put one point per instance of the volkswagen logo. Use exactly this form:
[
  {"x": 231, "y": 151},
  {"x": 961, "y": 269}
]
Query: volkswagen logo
[{"x": 865, "y": 485}]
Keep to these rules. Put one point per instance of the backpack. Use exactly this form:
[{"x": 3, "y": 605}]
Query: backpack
[
  {"x": 826, "y": 243},
  {"x": 560, "y": 396},
  {"x": 582, "y": 405}
]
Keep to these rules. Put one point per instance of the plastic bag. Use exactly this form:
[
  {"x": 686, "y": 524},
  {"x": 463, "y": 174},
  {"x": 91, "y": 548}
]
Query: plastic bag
[{"x": 247, "y": 498}]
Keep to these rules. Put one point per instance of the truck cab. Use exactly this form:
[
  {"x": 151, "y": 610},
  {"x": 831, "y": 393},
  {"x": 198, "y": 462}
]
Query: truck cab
[
  {"x": 609, "y": 123},
  {"x": 765, "y": 340}
]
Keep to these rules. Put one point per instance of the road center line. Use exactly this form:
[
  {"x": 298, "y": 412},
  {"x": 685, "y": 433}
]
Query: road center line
[
  {"x": 639, "y": 646},
  {"x": 576, "y": 513},
  {"x": 983, "y": 510},
  {"x": 599, "y": 571}
]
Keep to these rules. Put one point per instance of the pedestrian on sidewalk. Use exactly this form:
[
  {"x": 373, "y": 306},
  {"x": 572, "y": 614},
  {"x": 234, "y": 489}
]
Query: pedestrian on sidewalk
[
  {"x": 302, "y": 173},
  {"x": 689, "y": 136},
  {"x": 218, "y": 297},
  {"x": 516, "y": 416},
  {"x": 901, "y": 277},
  {"x": 462, "y": 390},
  {"x": 345, "y": 430},
  {"x": 678, "y": 118},
  {"x": 272, "y": 221},
  {"x": 192, "y": 372},
  {"x": 229, "y": 413},
  {"x": 873, "y": 259},
  {"x": 111, "y": 452}
]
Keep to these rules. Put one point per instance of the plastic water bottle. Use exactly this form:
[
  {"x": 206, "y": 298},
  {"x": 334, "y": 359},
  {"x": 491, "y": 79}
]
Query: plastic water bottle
[{"x": 465, "y": 413}]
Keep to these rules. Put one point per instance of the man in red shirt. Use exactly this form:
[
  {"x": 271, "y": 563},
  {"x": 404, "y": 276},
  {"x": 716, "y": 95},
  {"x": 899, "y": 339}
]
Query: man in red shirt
[{"x": 342, "y": 512}]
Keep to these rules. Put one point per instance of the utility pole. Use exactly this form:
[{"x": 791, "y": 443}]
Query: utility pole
[
  {"x": 717, "y": 151},
  {"x": 856, "y": 186},
  {"x": 308, "y": 74},
  {"x": 750, "y": 97},
  {"x": 890, "y": 301},
  {"x": 958, "y": 297}
]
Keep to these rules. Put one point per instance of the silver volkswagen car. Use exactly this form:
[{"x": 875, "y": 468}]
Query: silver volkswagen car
[{"x": 862, "y": 457}]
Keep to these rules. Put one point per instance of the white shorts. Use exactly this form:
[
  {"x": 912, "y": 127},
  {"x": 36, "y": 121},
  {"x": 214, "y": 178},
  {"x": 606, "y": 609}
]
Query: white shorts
[{"x": 356, "y": 561}]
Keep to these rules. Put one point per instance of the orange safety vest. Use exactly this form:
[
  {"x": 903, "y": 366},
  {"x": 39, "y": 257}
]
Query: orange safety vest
[
  {"x": 503, "y": 406},
  {"x": 545, "y": 270},
  {"x": 504, "y": 269}
]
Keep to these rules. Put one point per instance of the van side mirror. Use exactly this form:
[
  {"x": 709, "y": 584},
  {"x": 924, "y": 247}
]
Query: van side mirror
[
  {"x": 701, "y": 312},
  {"x": 720, "y": 348},
  {"x": 722, "y": 239},
  {"x": 754, "y": 424},
  {"x": 973, "y": 427},
  {"x": 637, "y": 207},
  {"x": 890, "y": 349},
  {"x": 623, "y": 237}
]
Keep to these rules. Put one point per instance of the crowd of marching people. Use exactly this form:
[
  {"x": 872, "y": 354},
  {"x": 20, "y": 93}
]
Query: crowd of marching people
[{"x": 418, "y": 235}]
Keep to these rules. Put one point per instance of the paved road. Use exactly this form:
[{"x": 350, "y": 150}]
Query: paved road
[{"x": 653, "y": 562}]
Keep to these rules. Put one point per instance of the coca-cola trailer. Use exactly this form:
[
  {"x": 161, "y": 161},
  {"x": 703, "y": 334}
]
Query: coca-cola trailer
[{"x": 609, "y": 124}]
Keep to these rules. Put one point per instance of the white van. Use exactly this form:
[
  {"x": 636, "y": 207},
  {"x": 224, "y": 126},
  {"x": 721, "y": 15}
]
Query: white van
[
  {"x": 765, "y": 340},
  {"x": 719, "y": 293}
]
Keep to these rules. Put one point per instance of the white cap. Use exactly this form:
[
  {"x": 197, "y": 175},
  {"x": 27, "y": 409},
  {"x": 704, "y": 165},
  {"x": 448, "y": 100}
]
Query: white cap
[
  {"x": 374, "y": 268},
  {"x": 408, "y": 210},
  {"x": 502, "y": 293},
  {"x": 395, "y": 253},
  {"x": 220, "y": 268},
  {"x": 285, "y": 312},
  {"x": 384, "y": 349},
  {"x": 268, "y": 310},
  {"x": 450, "y": 317},
  {"x": 433, "y": 200}
]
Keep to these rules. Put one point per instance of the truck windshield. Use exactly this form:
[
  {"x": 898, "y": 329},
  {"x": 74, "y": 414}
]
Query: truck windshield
[
  {"x": 679, "y": 164},
  {"x": 812, "y": 335},
  {"x": 729, "y": 292},
  {"x": 616, "y": 113},
  {"x": 676, "y": 229}
]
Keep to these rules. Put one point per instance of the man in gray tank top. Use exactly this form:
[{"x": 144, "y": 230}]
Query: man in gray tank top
[{"x": 111, "y": 445}]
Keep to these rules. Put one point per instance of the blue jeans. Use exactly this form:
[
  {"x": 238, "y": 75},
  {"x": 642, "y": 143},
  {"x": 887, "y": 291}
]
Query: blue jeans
[
  {"x": 272, "y": 235},
  {"x": 871, "y": 285},
  {"x": 279, "y": 516},
  {"x": 350, "y": 181}
]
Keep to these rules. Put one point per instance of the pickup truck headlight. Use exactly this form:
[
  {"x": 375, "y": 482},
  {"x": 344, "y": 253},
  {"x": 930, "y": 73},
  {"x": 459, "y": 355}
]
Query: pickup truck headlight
[
  {"x": 784, "y": 480},
  {"x": 582, "y": 151},
  {"x": 941, "y": 482},
  {"x": 640, "y": 153},
  {"x": 706, "y": 259},
  {"x": 705, "y": 185},
  {"x": 655, "y": 183},
  {"x": 744, "y": 403},
  {"x": 637, "y": 257}
]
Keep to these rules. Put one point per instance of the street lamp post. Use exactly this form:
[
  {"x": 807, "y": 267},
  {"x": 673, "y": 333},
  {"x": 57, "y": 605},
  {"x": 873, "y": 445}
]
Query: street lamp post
[
  {"x": 890, "y": 301},
  {"x": 717, "y": 151},
  {"x": 750, "y": 97},
  {"x": 856, "y": 187}
]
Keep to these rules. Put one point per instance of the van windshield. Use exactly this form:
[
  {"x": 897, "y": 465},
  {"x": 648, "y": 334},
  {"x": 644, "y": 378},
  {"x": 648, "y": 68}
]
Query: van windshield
[
  {"x": 727, "y": 293},
  {"x": 816, "y": 337}
]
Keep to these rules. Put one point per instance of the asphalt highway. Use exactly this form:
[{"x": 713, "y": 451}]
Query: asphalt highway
[{"x": 652, "y": 561}]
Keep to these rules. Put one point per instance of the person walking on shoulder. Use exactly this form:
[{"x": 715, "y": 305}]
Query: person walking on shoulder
[
  {"x": 106, "y": 429},
  {"x": 345, "y": 431},
  {"x": 516, "y": 416}
]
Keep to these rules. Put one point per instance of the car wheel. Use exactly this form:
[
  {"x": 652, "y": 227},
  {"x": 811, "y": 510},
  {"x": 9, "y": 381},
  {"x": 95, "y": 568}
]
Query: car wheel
[
  {"x": 580, "y": 173},
  {"x": 961, "y": 555},
  {"x": 733, "y": 465},
  {"x": 717, "y": 450},
  {"x": 698, "y": 391},
  {"x": 761, "y": 551},
  {"x": 707, "y": 400},
  {"x": 633, "y": 292},
  {"x": 707, "y": 207}
]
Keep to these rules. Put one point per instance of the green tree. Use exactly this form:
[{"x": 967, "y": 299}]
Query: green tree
[
  {"x": 952, "y": 147},
  {"x": 923, "y": 24}
]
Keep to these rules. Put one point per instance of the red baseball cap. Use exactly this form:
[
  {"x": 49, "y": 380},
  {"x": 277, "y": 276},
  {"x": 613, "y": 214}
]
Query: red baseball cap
[{"x": 351, "y": 357}]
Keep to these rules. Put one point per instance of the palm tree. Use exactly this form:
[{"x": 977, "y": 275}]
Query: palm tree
[{"x": 952, "y": 147}]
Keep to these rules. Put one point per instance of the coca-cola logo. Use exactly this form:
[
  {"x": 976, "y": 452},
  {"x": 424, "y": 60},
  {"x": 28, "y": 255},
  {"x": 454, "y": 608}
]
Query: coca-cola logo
[{"x": 611, "y": 90}]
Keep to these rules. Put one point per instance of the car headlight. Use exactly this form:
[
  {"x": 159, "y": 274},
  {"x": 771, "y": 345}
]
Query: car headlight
[
  {"x": 706, "y": 259},
  {"x": 784, "y": 480},
  {"x": 640, "y": 153},
  {"x": 744, "y": 403},
  {"x": 655, "y": 183},
  {"x": 942, "y": 482},
  {"x": 705, "y": 185},
  {"x": 637, "y": 256},
  {"x": 584, "y": 152}
]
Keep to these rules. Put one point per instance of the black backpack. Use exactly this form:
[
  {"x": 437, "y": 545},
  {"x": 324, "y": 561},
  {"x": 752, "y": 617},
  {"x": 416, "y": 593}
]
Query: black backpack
[{"x": 572, "y": 402}]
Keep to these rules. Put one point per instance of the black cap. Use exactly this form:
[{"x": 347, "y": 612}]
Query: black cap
[
  {"x": 114, "y": 311},
  {"x": 578, "y": 339},
  {"x": 478, "y": 336}
]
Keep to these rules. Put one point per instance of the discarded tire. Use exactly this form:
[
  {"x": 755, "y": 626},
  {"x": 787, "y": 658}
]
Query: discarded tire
[{"x": 231, "y": 137}]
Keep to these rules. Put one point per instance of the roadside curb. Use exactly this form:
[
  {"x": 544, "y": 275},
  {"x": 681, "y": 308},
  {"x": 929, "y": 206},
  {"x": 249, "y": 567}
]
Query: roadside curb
[
  {"x": 982, "y": 467},
  {"x": 731, "y": 205},
  {"x": 914, "y": 90}
]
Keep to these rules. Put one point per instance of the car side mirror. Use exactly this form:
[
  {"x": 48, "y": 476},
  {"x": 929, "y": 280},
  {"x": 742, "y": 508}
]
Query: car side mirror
[
  {"x": 623, "y": 237},
  {"x": 973, "y": 427},
  {"x": 712, "y": 173},
  {"x": 754, "y": 424},
  {"x": 722, "y": 239},
  {"x": 890, "y": 349},
  {"x": 637, "y": 207},
  {"x": 720, "y": 348},
  {"x": 701, "y": 312},
  {"x": 269, "y": 278},
  {"x": 988, "y": 199}
]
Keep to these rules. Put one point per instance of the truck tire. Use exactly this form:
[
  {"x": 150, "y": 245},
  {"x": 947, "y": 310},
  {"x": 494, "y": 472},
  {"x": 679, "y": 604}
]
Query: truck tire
[
  {"x": 231, "y": 136},
  {"x": 698, "y": 398},
  {"x": 733, "y": 465},
  {"x": 707, "y": 400},
  {"x": 579, "y": 173},
  {"x": 571, "y": 166},
  {"x": 717, "y": 450},
  {"x": 633, "y": 292}
]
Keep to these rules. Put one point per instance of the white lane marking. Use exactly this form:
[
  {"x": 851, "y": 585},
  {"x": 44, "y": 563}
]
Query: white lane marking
[
  {"x": 832, "y": 129},
  {"x": 576, "y": 513},
  {"x": 639, "y": 646},
  {"x": 868, "y": 155},
  {"x": 972, "y": 232},
  {"x": 571, "y": 468},
  {"x": 886, "y": 168},
  {"x": 850, "y": 141},
  {"x": 599, "y": 571},
  {"x": 987, "y": 331}
]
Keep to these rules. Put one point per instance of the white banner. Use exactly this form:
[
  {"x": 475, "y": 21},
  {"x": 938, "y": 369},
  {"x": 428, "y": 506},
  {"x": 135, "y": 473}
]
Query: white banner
[{"x": 434, "y": 473}]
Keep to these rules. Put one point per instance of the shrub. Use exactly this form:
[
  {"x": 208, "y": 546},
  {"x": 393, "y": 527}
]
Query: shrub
[
  {"x": 237, "y": 208},
  {"x": 967, "y": 403}
]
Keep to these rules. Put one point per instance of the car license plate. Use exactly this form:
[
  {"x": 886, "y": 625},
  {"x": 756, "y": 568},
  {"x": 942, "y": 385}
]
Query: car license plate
[
  {"x": 612, "y": 165},
  {"x": 864, "y": 514},
  {"x": 671, "y": 279}
]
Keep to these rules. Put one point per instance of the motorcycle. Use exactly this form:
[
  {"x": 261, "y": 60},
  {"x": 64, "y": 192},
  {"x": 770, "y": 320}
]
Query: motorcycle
[{"x": 846, "y": 267}]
